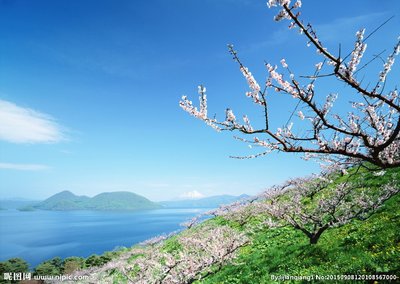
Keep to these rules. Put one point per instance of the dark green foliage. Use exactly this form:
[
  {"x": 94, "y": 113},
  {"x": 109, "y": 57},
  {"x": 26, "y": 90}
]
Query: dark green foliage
[
  {"x": 46, "y": 268},
  {"x": 97, "y": 260},
  {"x": 57, "y": 266},
  {"x": 50, "y": 267},
  {"x": 13, "y": 265},
  {"x": 72, "y": 264}
]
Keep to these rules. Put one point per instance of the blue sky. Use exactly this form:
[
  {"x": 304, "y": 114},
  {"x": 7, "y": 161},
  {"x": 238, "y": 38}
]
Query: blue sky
[{"x": 89, "y": 91}]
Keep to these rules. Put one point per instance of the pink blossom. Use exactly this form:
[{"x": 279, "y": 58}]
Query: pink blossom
[
  {"x": 389, "y": 62},
  {"x": 254, "y": 94},
  {"x": 283, "y": 62},
  {"x": 230, "y": 117},
  {"x": 301, "y": 115},
  {"x": 357, "y": 53},
  {"x": 297, "y": 4}
]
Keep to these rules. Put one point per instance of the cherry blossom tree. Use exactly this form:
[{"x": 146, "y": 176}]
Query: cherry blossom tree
[
  {"x": 311, "y": 205},
  {"x": 195, "y": 253},
  {"x": 368, "y": 133}
]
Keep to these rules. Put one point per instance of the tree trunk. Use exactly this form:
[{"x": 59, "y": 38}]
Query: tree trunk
[
  {"x": 315, "y": 236},
  {"x": 314, "y": 239}
]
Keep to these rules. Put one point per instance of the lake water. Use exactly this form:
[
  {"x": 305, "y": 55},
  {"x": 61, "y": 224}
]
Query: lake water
[{"x": 41, "y": 235}]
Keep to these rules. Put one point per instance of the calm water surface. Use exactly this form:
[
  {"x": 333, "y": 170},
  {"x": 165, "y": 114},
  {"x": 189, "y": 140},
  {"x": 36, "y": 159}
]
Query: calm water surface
[{"x": 40, "y": 235}]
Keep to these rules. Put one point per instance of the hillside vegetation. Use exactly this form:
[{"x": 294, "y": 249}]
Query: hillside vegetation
[
  {"x": 369, "y": 247},
  {"x": 251, "y": 246}
]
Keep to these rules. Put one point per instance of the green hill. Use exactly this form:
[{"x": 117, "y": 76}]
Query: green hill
[
  {"x": 222, "y": 250},
  {"x": 122, "y": 200},
  {"x": 369, "y": 247}
]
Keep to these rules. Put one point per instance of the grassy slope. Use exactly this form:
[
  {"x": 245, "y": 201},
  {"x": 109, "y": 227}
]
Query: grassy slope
[{"x": 360, "y": 247}]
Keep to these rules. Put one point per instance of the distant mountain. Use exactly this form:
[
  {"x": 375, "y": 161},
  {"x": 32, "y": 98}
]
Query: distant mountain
[
  {"x": 15, "y": 203},
  {"x": 121, "y": 200},
  {"x": 206, "y": 202}
]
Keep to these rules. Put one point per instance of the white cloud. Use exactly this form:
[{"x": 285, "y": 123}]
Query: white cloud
[
  {"x": 192, "y": 195},
  {"x": 23, "y": 167},
  {"x": 25, "y": 125},
  {"x": 345, "y": 28},
  {"x": 338, "y": 29}
]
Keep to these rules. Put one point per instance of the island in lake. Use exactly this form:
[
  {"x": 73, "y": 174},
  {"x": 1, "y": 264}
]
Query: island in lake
[{"x": 120, "y": 200}]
